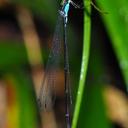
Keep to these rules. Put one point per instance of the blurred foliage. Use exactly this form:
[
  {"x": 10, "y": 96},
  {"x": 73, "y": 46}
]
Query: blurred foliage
[
  {"x": 12, "y": 55},
  {"x": 23, "y": 112},
  {"x": 91, "y": 112},
  {"x": 93, "y": 103},
  {"x": 42, "y": 8},
  {"x": 101, "y": 66},
  {"x": 116, "y": 23}
]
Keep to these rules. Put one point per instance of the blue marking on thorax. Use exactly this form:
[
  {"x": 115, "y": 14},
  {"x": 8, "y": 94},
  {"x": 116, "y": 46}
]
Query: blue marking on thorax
[{"x": 66, "y": 9}]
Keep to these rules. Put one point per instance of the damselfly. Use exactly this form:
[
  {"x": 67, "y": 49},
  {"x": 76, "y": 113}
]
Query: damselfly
[{"x": 46, "y": 95}]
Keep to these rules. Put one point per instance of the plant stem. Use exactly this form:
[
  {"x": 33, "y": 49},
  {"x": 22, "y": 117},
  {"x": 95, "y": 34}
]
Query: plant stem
[{"x": 84, "y": 63}]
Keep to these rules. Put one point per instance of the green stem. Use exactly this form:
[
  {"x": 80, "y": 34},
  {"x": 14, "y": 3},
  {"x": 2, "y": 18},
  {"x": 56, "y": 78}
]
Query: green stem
[{"x": 84, "y": 64}]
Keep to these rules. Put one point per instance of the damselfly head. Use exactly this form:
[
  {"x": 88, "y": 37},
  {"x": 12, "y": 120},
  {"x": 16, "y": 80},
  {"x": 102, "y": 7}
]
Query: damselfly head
[{"x": 61, "y": 13}]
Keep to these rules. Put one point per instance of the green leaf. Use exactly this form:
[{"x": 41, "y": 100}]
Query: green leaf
[
  {"x": 28, "y": 117},
  {"x": 12, "y": 54},
  {"x": 93, "y": 109},
  {"x": 116, "y": 23},
  {"x": 92, "y": 112}
]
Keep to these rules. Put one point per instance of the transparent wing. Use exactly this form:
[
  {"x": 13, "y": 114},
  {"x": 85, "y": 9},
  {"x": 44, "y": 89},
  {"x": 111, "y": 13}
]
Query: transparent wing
[{"x": 47, "y": 91}]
